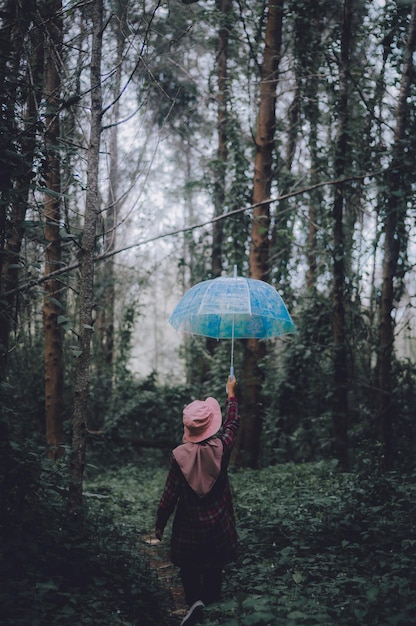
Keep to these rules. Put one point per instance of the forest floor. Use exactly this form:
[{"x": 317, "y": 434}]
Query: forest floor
[
  {"x": 318, "y": 547},
  {"x": 168, "y": 575}
]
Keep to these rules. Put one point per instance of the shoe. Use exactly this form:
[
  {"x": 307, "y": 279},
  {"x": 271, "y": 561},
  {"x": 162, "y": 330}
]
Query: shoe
[{"x": 193, "y": 614}]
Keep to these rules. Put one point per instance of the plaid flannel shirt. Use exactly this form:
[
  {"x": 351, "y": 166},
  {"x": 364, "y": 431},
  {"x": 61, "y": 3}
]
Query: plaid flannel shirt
[{"x": 203, "y": 528}]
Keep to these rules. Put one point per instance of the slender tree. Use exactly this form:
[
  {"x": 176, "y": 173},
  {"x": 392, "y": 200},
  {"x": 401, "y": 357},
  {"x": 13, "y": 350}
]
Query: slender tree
[
  {"x": 106, "y": 275},
  {"x": 224, "y": 11},
  {"x": 249, "y": 443},
  {"x": 341, "y": 163},
  {"x": 395, "y": 243},
  {"x": 86, "y": 298},
  {"x": 308, "y": 54},
  {"x": 52, "y": 306}
]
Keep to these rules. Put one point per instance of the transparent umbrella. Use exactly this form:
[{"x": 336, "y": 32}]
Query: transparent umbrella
[{"x": 232, "y": 307}]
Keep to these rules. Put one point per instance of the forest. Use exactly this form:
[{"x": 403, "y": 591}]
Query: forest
[{"x": 147, "y": 146}]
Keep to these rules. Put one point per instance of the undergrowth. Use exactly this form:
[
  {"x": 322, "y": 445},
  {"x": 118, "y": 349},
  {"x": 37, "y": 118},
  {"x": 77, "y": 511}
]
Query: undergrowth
[
  {"x": 321, "y": 547},
  {"x": 53, "y": 571},
  {"x": 317, "y": 547}
]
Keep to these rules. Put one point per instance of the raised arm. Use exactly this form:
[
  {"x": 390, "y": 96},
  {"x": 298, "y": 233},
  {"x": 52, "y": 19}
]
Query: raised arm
[{"x": 232, "y": 415}]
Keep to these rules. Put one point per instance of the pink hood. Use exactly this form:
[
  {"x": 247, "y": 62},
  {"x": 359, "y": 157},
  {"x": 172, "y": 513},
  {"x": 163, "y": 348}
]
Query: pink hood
[{"x": 200, "y": 464}]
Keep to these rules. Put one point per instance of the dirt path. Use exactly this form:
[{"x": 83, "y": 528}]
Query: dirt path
[{"x": 168, "y": 574}]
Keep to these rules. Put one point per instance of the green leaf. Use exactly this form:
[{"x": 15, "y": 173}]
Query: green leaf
[
  {"x": 51, "y": 193},
  {"x": 297, "y": 615},
  {"x": 297, "y": 577},
  {"x": 55, "y": 302},
  {"x": 64, "y": 321}
]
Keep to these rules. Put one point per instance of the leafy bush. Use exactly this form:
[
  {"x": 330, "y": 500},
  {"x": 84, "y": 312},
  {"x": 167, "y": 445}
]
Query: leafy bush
[{"x": 147, "y": 411}]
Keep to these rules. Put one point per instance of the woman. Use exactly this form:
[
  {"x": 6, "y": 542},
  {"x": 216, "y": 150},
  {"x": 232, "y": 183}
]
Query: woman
[{"x": 204, "y": 536}]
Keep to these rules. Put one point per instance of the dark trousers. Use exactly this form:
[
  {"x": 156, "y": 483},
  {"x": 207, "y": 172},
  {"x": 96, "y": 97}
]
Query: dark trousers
[{"x": 201, "y": 583}]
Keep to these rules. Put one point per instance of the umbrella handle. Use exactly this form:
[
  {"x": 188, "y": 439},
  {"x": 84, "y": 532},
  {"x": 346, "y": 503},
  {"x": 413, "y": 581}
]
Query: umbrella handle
[{"x": 231, "y": 376}]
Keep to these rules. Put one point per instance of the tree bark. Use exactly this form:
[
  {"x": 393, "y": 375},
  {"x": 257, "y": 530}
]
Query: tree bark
[
  {"x": 52, "y": 307},
  {"x": 340, "y": 398},
  {"x": 224, "y": 9},
  {"x": 79, "y": 432},
  {"x": 255, "y": 350},
  {"x": 105, "y": 312},
  {"x": 16, "y": 175},
  {"x": 314, "y": 202},
  {"x": 312, "y": 114},
  {"x": 220, "y": 167},
  {"x": 394, "y": 242}
]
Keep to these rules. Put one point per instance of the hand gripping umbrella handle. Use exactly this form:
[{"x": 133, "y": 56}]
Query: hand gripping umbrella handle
[{"x": 232, "y": 378}]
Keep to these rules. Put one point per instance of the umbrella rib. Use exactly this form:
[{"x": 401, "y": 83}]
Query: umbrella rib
[{"x": 248, "y": 295}]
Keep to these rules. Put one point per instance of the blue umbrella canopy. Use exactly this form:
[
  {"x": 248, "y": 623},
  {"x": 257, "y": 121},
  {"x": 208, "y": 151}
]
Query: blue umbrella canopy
[
  {"x": 232, "y": 307},
  {"x": 228, "y": 307}
]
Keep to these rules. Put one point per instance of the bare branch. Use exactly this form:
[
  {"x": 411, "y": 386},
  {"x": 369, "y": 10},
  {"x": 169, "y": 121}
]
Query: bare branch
[{"x": 102, "y": 257}]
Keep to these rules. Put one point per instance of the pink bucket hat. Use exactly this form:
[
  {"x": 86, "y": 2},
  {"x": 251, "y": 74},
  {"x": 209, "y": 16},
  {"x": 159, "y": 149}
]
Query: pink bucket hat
[{"x": 201, "y": 419}]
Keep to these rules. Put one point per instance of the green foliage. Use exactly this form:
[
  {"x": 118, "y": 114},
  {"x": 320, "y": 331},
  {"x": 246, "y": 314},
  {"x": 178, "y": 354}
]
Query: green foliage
[
  {"x": 170, "y": 91},
  {"x": 130, "y": 492},
  {"x": 316, "y": 546},
  {"x": 146, "y": 410},
  {"x": 298, "y": 393},
  {"x": 320, "y": 547},
  {"x": 23, "y": 394},
  {"x": 297, "y": 425},
  {"x": 57, "y": 571},
  {"x": 404, "y": 394}
]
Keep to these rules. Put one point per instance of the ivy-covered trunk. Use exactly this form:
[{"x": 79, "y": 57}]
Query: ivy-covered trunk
[
  {"x": 86, "y": 298},
  {"x": 342, "y": 161},
  {"x": 252, "y": 413},
  {"x": 52, "y": 306},
  {"x": 395, "y": 244},
  {"x": 308, "y": 42}
]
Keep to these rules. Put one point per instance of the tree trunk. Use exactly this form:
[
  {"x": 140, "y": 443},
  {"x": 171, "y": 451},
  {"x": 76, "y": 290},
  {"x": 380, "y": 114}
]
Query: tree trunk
[
  {"x": 314, "y": 202},
  {"x": 52, "y": 307},
  {"x": 105, "y": 312},
  {"x": 315, "y": 199},
  {"x": 220, "y": 168},
  {"x": 86, "y": 299},
  {"x": 224, "y": 9},
  {"x": 395, "y": 242},
  {"x": 340, "y": 398},
  {"x": 252, "y": 413},
  {"x": 15, "y": 177}
]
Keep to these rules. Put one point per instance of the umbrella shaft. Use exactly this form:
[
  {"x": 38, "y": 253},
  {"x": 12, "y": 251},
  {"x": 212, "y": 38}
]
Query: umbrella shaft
[{"x": 232, "y": 352}]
